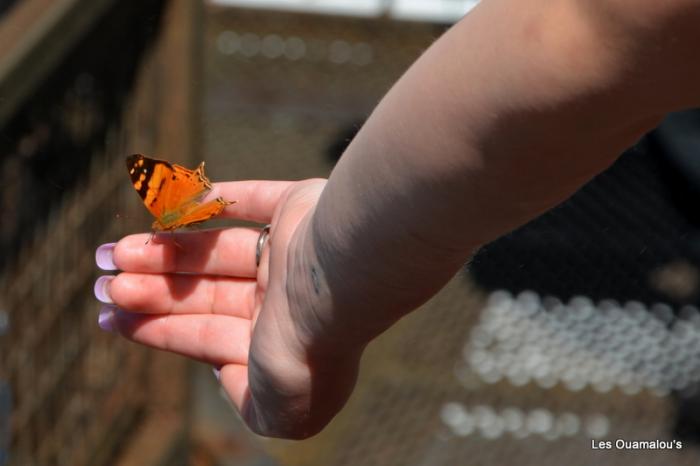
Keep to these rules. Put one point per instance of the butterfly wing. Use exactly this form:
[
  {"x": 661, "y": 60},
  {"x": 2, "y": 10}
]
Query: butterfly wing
[
  {"x": 186, "y": 186},
  {"x": 198, "y": 213},
  {"x": 172, "y": 192}
]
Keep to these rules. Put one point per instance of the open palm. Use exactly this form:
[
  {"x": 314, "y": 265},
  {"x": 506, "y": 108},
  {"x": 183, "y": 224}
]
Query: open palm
[{"x": 200, "y": 294}]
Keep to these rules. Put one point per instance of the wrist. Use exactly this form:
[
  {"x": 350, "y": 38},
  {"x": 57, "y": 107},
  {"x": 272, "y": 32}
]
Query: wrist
[{"x": 321, "y": 322}]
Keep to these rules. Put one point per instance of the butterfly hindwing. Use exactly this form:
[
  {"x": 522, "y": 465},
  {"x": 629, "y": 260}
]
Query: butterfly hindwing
[
  {"x": 172, "y": 193},
  {"x": 202, "y": 212}
]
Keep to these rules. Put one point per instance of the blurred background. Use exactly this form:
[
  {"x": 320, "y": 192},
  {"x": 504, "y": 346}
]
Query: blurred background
[{"x": 582, "y": 325}]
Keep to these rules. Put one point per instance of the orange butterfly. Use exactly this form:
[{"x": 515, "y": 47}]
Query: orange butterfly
[{"x": 173, "y": 193}]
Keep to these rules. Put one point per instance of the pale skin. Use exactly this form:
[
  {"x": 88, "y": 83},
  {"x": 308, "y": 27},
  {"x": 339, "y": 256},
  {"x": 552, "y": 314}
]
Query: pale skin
[{"x": 504, "y": 117}]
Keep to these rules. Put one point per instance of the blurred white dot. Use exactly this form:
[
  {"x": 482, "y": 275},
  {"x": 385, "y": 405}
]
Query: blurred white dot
[
  {"x": 682, "y": 330},
  {"x": 580, "y": 302},
  {"x": 547, "y": 381},
  {"x": 663, "y": 312},
  {"x": 492, "y": 376},
  {"x": 528, "y": 301},
  {"x": 228, "y": 42},
  {"x": 533, "y": 361},
  {"x": 607, "y": 304},
  {"x": 539, "y": 421},
  {"x": 295, "y": 48},
  {"x": 452, "y": 413},
  {"x": 339, "y": 52},
  {"x": 597, "y": 426},
  {"x": 499, "y": 297},
  {"x": 477, "y": 358},
  {"x": 568, "y": 424},
  {"x": 250, "y": 44},
  {"x": 513, "y": 419},
  {"x": 518, "y": 378},
  {"x": 521, "y": 433},
  {"x": 464, "y": 428},
  {"x": 636, "y": 310},
  {"x": 458, "y": 419},
  {"x": 482, "y": 412},
  {"x": 551, "y": 303},
  {"x": 493, "y": 429},
  {"x": 273, "y": 46},
  {"x": 480, "y": 337}
]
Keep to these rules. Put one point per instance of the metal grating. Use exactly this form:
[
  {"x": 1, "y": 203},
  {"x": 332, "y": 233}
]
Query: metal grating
[
  {"x": 284, "y": 88},
  {"x": 617, "y": 238},
  {"x": 69, "y": 393}
]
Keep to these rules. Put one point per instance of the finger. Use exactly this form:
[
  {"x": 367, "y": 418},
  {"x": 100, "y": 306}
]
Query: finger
[
  {"x": 213, "y": 339},
  {"x": 234, "y": 379},
  {"x": 226, "y": 252},
  {"x": 180, "y": 294},
  {"x": 254, "y": 200}
]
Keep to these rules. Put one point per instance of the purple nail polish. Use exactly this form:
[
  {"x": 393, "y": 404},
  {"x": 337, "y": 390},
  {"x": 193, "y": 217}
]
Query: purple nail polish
[
  {"x": 104, "y": 256},
  {"x": 102, "y": 289},
  {"x": 106, "y": 318}
]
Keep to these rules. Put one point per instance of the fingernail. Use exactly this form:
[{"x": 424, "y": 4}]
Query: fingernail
[
  {"x": 104, "y": 256},
  {"x": 102, "y": 289},
  {"x": 217, "y": 373},
  {"x": 106, "y": 318}
]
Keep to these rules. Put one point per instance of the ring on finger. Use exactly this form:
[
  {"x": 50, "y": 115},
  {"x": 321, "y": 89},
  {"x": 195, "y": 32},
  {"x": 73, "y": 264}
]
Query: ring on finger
[{"x": 264, "y": 233}]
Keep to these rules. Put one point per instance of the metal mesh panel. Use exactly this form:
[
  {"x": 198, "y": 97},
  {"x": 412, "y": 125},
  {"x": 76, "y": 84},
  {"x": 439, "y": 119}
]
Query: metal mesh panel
[
  {"x": 285, "y": 90},
  {"x": 614, "y": 239},
  {"x": 77, "y": 396}
]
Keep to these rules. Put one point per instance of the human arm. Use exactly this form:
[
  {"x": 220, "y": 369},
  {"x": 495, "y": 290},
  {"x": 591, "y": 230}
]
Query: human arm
[{"x": 502, "y": 118}]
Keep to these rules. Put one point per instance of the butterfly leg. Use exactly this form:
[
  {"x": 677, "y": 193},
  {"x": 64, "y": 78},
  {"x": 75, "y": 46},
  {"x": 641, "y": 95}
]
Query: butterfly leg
[
  {"x": 153, "y": 234},
  {"x": 155, "y": 238},
  {"x": 172, "y": 238}
]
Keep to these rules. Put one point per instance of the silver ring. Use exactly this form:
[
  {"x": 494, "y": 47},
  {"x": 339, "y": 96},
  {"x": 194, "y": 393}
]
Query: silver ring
[{"x": 264, "y": 233}]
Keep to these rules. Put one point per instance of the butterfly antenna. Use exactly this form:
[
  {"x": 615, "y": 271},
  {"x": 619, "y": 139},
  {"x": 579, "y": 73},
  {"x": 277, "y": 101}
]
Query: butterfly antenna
[{"x": 153, "y": 234}]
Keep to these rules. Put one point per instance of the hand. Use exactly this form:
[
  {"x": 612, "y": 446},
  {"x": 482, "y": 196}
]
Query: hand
[{"x": 201, "y": 295}]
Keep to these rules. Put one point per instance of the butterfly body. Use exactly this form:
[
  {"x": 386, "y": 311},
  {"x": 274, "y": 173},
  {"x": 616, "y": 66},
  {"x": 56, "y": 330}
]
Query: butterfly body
[{"x": 173, "y": 193}]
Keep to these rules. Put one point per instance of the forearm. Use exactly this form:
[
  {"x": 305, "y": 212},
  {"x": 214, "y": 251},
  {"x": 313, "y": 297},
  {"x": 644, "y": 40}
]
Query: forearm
[{"x": 504, "y": 117}]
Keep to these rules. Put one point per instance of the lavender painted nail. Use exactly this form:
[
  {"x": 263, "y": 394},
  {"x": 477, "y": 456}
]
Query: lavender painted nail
[
  {"x": 102, "y": 289},
  {"x": 104, "y": 256},
  {"x": 106, "y": 318}
]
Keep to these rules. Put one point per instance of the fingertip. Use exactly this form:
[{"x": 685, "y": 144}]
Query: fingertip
[
  {"x": 137, "y": 252},
  {"x": 102, "y": 289},
  {"x": 105, "y": 318},
  {"x": 104, "y": 256}
]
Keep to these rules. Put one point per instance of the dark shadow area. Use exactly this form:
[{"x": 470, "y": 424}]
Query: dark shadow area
[
  {"x": 623, "y": 236},
  {"x": 341, "y": 142},
  {"x": 46, "y": 148},
  {"x": 6, "y": 5}
]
